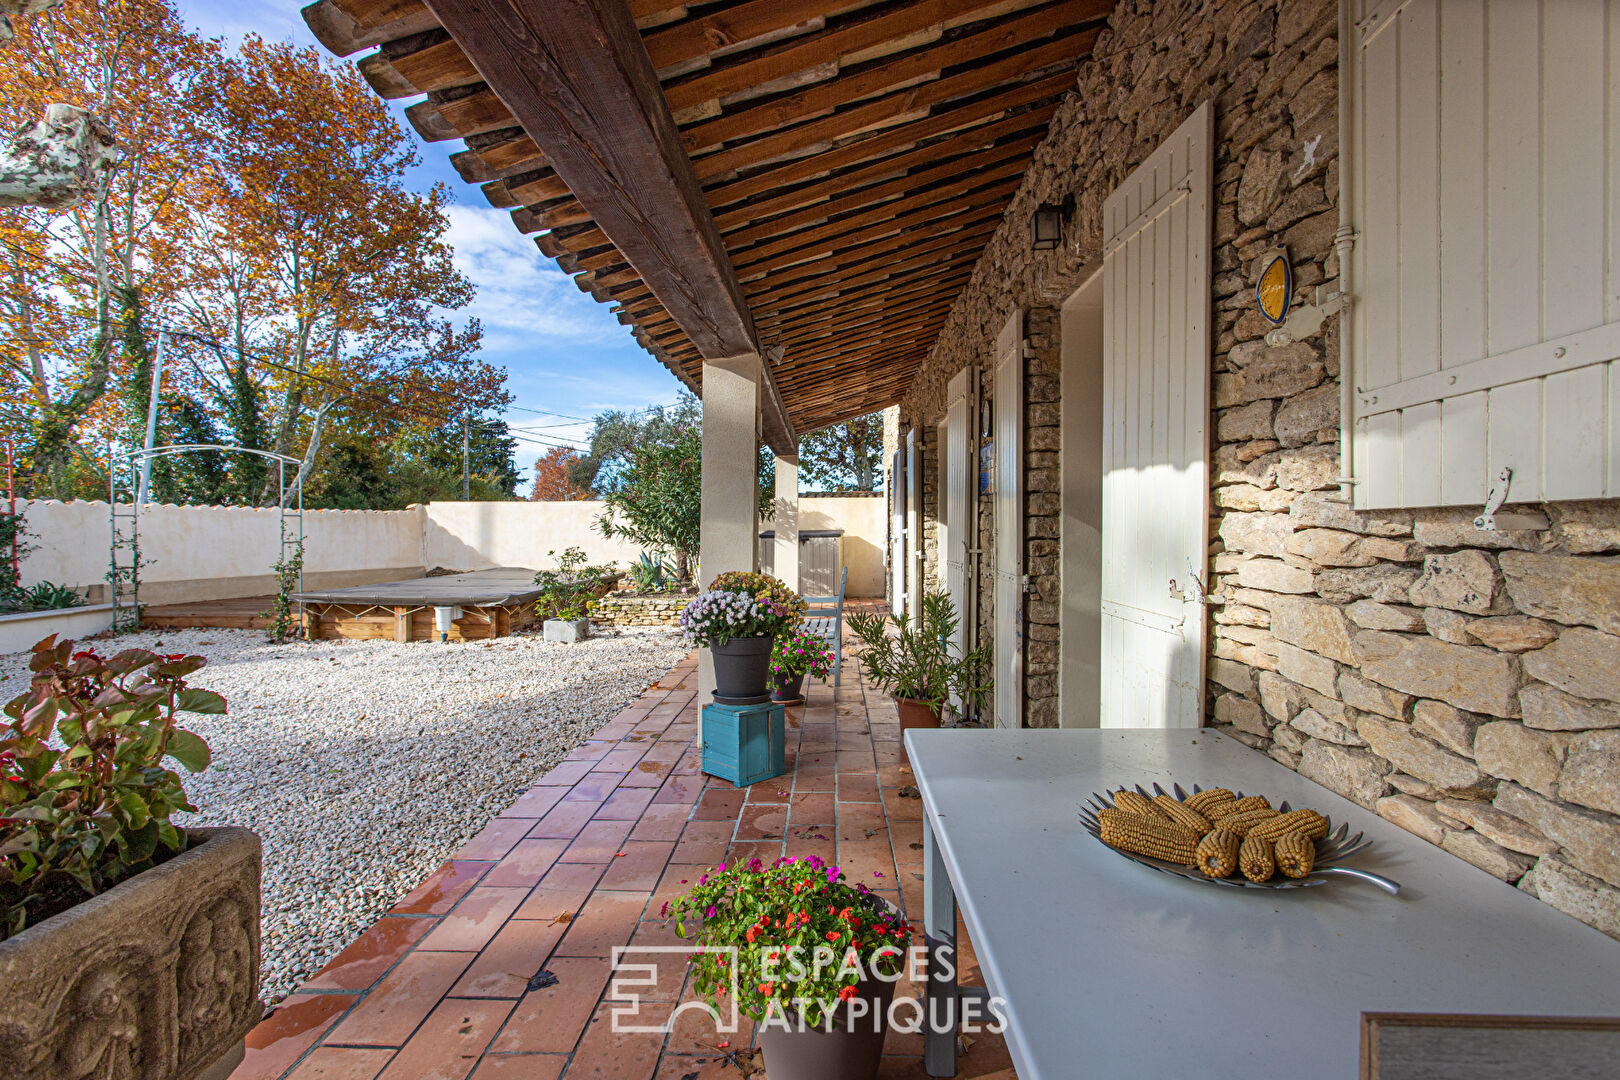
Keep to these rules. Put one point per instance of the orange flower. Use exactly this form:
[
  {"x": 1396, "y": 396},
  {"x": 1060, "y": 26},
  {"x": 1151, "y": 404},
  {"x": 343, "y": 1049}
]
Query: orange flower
[
  {"x": 833, "y": 935},
  {"x": 766, "y": 988},
  {"x": 847, "y": 992}
]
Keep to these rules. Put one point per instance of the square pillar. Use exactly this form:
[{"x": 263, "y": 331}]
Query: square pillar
[
  {"x": 729, "y": 533},
  {"x": 787, "y": 520}
]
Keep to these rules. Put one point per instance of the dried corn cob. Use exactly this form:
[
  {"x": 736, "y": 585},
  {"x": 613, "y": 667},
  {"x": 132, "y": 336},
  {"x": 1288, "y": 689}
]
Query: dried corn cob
[
  {"x": 1218, "y": 854},
  {"x": 1242, "y": 823},
  {"x": 1250, "y": 802},
  {"x": 1202, "y": 802},
  {"x": 1307, "y": 821},
  {"x": 1153, "y": 837},
  {"x": 1255, "y": 859},
  {"x": 1296, "y": 854},
  {"x": 1179, "y": 814},
  {"x": 1134, "y": 802}
]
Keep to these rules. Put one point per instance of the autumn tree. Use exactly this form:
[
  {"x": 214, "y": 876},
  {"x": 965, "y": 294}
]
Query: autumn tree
[
  {"x": 552, "y": 482},
  {"x": 844, "y": 457},
  {"x": 134, "y": 66}
]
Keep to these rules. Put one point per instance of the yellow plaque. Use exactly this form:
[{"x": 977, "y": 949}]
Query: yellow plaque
[{"x": 1275, "y": 288}]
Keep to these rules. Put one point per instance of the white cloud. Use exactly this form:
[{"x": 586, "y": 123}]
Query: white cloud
[{"x": 523, "y": 299}]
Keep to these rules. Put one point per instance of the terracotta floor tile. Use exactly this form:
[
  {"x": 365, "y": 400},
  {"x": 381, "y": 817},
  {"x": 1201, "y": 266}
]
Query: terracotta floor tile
[
  {"x": 392, "y": 1011},
  {"x": 679, "y": 789},
  {"x": 449, "y": 1042},
  {"x": 369, "y": 956},
  {"x": 648, "y": 774},
  {"x": 591, "y": 749},
  {"x": 621, "y": 759},
  {"x": 778, "y": 789},
  {"x": 565, "y": 821},
  {"x": 815, "y": 778},
  {"x": 520, "y": 1067},
  {"x": 598, "y": 842},
  {"x": 475, "y": 920},
  {"x": 594, "y": 788},
  {"x": 896, "y": 776},
  {"x": 626, "y": 804},
  {"x": 719, "y": 804},
  {"x": 535, "y": 803},
  {"x": 812, "y": 808},
  {"x": 639, "y": 868},
  {"x": 652, "y": 967},
  {"x": 567, "y": 773},
  {"x": 662, "y": 821},
  {"x": 762, "y": 822},
  {"x": 696, "y": 1031},
  {"x": 857, "y": 787},
  {"x": 440, "y": 892},
  {"x": 550, "y": 1020},
  {"x": 295, "y": 1026},
  {"x": 608, "y": 1054},
  {"x": 900, "y": 807},
  {"x": 677, "y": 879},
  {"x": 857, "y": 818},
  {"x": 606, "y": 920},
  {"x": 703, "y": 842},
  {"x": 496, "y": 839},
  {"x": 526, "y": 864},
  {"x": 741, "y": 851},
  {"x": 340, "y": 1063},
  {"x": 561, "y": 892},
  {"x": 504, "y": 968}
]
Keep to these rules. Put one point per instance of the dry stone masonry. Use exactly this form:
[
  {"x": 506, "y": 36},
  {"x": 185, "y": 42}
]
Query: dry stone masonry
[{"x": 1465, "y": 684}]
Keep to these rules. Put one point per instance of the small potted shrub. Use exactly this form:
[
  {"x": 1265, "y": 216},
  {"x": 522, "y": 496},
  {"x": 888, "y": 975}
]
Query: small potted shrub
[
  {"x": 815, "y": 961},
  {"x": 567, "y": 592},
  {"x": 794, "y": 655},
  {"x": 738, "y": 629},
  {"x": 129, "y": 947},
  {"x": 915, "y": 665},
  {"x": 763, "y": 587}
]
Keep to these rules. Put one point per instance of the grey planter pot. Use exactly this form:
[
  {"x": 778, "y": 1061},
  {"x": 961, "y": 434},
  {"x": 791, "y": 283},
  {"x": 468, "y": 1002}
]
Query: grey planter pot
[
  {"x": 156, "y": 979},
  {"x": 567, "y": 632}
]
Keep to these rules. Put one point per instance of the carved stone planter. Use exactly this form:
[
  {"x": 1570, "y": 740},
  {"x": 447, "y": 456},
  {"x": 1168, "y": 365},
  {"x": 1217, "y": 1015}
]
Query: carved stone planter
[{"x": 156, "y": 979}]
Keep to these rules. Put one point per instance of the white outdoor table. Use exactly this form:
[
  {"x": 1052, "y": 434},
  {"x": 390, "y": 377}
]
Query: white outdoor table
[{"x": 1109, "y": 968}]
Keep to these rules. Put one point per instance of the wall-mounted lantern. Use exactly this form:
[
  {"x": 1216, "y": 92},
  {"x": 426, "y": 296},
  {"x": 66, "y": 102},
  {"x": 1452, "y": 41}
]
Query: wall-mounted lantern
[{"x": 1046, "y": 225}]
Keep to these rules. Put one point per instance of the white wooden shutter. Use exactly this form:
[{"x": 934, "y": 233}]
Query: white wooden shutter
[
  {"x": 1009, "y": 517},
  {"x": 1156, "y": 243},
  {"x": 1484, "y": 187},
  {"x": 897, "y": 531},
  {"x": 914, "y": 524},
  {"x": 953, "y": 516}
]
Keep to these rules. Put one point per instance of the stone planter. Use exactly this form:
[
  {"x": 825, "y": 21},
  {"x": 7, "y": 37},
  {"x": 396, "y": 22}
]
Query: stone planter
[
  {"x": 156, "y": 979},
  {"x": 742, "y": 670},
  {"x": 567, "y": 631}
]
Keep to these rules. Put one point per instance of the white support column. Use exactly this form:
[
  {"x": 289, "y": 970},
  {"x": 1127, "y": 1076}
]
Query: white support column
[
  {"x": 786, "y": 522},
  {"x": 729, "y": 534}
]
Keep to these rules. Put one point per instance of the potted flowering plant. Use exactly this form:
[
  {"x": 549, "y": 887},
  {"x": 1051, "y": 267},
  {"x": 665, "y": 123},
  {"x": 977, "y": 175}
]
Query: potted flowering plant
[
  {"x": 763, "y": 587},
  {"x": 738, "y": 629},
  {"x": 104, "y": 901},
  {"x": 794, "y": 655},
  {"x": 813, "y": 959}
]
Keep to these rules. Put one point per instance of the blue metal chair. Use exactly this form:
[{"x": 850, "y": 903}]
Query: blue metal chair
[{"x": 825, "y": 616}]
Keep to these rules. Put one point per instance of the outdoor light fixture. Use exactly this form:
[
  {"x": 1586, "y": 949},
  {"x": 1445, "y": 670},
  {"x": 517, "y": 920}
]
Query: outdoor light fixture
[{"x": 1046, "y": 226}]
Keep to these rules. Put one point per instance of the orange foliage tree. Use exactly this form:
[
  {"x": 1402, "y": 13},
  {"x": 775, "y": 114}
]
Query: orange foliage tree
[{"x": 551, "y": 482}]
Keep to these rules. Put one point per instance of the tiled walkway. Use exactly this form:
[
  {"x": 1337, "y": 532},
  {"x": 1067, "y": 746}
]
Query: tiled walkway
[{"x": 437, "y": 989}]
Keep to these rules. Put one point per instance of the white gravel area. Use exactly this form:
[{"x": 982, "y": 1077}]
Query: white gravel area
[{"x": 365, "y": 764}]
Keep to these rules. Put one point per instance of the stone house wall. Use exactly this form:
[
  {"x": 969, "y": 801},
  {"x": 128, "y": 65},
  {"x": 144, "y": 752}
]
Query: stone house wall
[{"x": 1463, "y": 684}]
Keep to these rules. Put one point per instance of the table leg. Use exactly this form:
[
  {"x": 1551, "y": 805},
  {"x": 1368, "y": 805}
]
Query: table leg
[{"x": 939, "y": 988}]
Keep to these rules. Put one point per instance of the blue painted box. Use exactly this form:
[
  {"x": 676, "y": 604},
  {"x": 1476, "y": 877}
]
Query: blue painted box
[{"x": 744, "y": 743}]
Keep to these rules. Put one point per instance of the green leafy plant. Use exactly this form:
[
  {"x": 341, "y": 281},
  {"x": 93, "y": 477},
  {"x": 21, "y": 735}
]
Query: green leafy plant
[
  {"x": 799, "y": 652},
  {"x": 14, "y": 547},
  {"x": 289, "y": 569},
  {"x": 916, "y": 661},
  {"x": 568, "y": 589},
  {"x": 47, "y": 596},
  {"x": 804, "y": 938},
  {"x": 85, "y": 795},
  {"x": 649, "y": 573}
]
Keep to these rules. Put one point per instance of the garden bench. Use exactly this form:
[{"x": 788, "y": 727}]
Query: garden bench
[{"x": 825, "y": 616}]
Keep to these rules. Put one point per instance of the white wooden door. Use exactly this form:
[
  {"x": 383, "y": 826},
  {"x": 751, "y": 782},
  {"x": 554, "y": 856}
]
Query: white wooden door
[
  {"x": 954, "y": 510},
  {"x": 1483, "y": 180},
  {"x": 1009, "y": 517},
  {"x": 1156, "y": 244},
  {"x": 897, "y": 531}
]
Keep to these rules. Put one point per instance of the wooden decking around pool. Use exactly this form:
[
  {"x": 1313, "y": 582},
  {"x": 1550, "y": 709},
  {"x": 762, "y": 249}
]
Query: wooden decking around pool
[
  {"x": 240, "y": 613},
  {"x": 582, "y": 862}
]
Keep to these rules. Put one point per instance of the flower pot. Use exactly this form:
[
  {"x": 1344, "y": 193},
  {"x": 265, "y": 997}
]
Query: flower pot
[
  {"x": 567, "y": 631},
  {"x": 155, "y": 979},
  {"x": 788, "y": 688},
  {"x": 852, "y": 1050},
  {"x": 742, "y": 671},
  {"x": 916, "y": 714}
]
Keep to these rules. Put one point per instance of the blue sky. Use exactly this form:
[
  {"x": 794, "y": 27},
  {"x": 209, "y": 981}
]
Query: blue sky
[{"x": 564, "y": 353}]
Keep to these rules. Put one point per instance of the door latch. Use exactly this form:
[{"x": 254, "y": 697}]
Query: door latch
[{"x": 1197, "y": 591}]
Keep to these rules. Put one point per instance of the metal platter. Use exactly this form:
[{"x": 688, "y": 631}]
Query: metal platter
[{"x": 1331, "y": 851}]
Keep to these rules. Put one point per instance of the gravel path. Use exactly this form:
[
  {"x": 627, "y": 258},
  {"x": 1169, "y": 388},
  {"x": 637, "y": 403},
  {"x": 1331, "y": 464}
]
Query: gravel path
[{"x": 365, "y": 764}]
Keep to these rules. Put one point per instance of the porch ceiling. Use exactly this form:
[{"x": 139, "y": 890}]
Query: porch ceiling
[{"x": 855, "y": 157}]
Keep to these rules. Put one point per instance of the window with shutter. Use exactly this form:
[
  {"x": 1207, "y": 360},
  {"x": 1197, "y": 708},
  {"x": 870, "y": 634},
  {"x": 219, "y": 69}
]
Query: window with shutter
[{"x": 1484, "y": 172}]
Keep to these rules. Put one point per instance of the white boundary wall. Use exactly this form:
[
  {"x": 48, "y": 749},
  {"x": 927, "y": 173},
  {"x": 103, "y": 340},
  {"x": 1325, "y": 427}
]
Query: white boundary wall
[{"x": 216, "y": 552}]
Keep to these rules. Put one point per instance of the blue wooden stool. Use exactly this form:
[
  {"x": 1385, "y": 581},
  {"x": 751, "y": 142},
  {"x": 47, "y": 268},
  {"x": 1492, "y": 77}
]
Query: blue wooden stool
[{"x": 744, "y": 743}]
